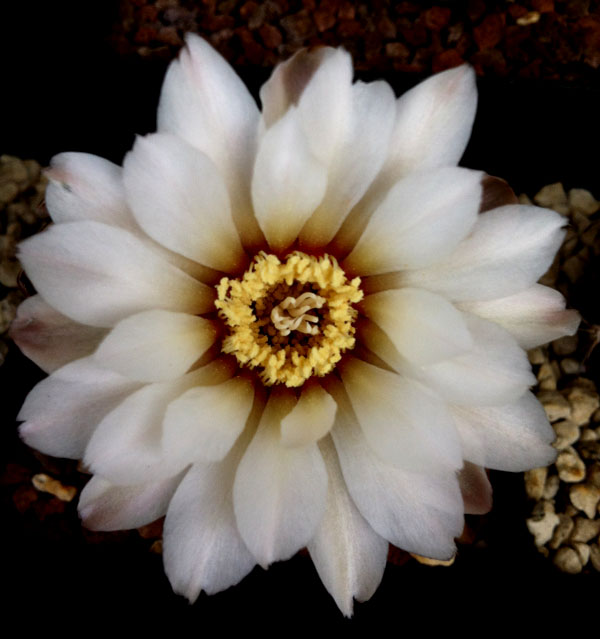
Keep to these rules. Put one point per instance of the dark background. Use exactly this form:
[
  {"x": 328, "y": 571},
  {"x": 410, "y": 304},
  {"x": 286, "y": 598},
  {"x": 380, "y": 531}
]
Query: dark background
[{"x": 65, "y": 88}]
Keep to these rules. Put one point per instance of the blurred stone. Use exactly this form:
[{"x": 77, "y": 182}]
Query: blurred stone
[
  {"x": 554, "y": 197},
  {"x": 568, "y": 560},
  {"x": 542, "y": 522},
  {"x": 585, "y": 497},
  {"x": 595, "y": 556},
  {"x": 427, "y": 561},
  {"x": 566, "y": 345},
  {"x": 536, "y": 356},
  {"x": 562, "y": 531},
  {"x": 570, "y": 468},
  {"x": 46, "y": 484},
  {"x": 555, "y": 405},
  {"x": 547, "y": 377},
  {"x": 567, "y": 433},
  {"x": 583, "y": 550},
  {"x": 583, "y": 404},
  {"x": 551, "y": 487},
  {"x": 535, "y": 480},
  {"x": 583, "y": 201},
  {"x": 585, "y": 529},
  {"x": 570, "y": 366}
]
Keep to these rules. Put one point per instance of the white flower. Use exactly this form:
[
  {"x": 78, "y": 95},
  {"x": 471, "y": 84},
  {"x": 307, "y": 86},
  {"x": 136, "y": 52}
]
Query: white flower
[{"x": 301, "y": 327}]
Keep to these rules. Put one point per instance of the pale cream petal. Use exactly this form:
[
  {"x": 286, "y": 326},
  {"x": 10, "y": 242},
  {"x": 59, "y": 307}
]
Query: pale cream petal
[
  {"x": 155, "y": 346},
  {"x": 204, "y": 423},
  {"x": 104, "y": 506},
  {"x": 288, "y": 181},
  {"x": 180, "y": 199},
  {"x": 348, "y": 554},
  {"x": 310, "y": 419},
  {"x": 49, "y": 338},
  {"x": 476, "y": 489},
  {"x": 404, "y": 423},
  {"x": 279, "y": 493},
  {"x": 424, "y": 327},
  {"x": 98, "y": 274}
]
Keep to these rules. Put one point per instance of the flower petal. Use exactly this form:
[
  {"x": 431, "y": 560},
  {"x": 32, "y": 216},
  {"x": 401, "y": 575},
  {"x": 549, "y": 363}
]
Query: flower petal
[
  {"x": 424, "y": 327},
  {"x": 126, "y": 447},
  {"x": 513, "y": 437},
  {"x": 534, "y": 316},
  {"x": 351, "y": 173},
  {"x": 405, "y": 425},
  {"x": 50, "y": 339},
  {"x": 104, "y": 506},
  {"x": 98, "y": 274},
  {"x": 510, "y": 248},
  {"x": 179, "y": 198},
  {"x": 87, "y": 187},
  {"x": 418, "y": 512},
  {"x": 63, "y": 410},
  {"x": 206, "y": 104},
  {"x": 203, "y": 549},
  {"x": 155, "y": 346},
  {"x": 420, "y": 222},
  {"x": 310, "y": 419},
  {"x": 496, "y": 371},
  {"x": 204, "y": 423},
  {"x": 279, "y": 493},
  {"x": 288, "y": 181},
  {"x": 476, "y": 489},
  {"x": 348, "y": 554}
]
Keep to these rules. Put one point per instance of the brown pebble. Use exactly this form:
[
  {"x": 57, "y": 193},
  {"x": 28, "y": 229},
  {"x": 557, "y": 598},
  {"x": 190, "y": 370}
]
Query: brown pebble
[
  {"x": 46, "y": 484},
  {"x": 583, "y": 201},
  {"x": 583, "y": 403},
  {"x": 595, "y": 556},
  {"x": 535, "y": 480},
  {"x": 567, "y": 433},
  {"x": 566, "y": 345},
  {"x": 583, "y": 550},
  {"x": 585, "y": 497},
  {"x": 593, "y": 474},
  {"x": 562, "y": 531},
  {"x": 531, "y": 17},
  {"x": 568, "y": 560},
  {"x": 547, "y": 377},
  {"x": 537, "y": 356},
  {"x": 542, "y": 522},
  {"x": 489, "y": 33},
  {"x": 585, "y": 529},
  {"x": 551, "y": 487},
  {"x": 570, "y": 366},
  {"x": 570, "y": 467},
  {"x": 555, "y": 405},
  {"x": 554, "y": 197}
]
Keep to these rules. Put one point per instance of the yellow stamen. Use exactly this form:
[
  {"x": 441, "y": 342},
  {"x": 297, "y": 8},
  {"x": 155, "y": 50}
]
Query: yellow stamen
[{"x": 268, "y": 319}]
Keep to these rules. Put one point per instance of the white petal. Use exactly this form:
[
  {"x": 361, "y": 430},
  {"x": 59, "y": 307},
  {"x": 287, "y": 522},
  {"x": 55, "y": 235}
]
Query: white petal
[
  {"x": 202, "y": 547},
  {"x": 494, "y": 372},
  {"x": 104, "y": 506},
  {"x": 513, "y": 437},
  {"x": 86, "y": 187},
  {"x": 510, "y": 248},
  {"x": 534, "y": 316},
  {"x": 476, "y": 489},
  {"x": 63, "y": 410},
  {"x": 420, "y": 222},
  {"x": 310, "y": 419},
  {"x": 204, "y": 423},
  {"x": 155, "y": 346},
  {"x": 126, "y": 447},
  {"x": 98, "y": 274},
  {"x": 205, "y": 103},
  {"x": 279, "y": 493},
  {"x": 288, "y": 181},
  {"x": 348, "y": 554},
  {"x": 424, "y": 327},
  {"x": 179, "y": 198},
  {"x": 360, "y": 154},
  {"x": 50, "y": 339},
  {"x": 406, "y": 425},
  {"x": 433, "y": 122},
  {"x": 418, "y": 512}
]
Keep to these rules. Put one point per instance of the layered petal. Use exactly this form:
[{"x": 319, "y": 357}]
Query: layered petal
[
  {"x": 424, "y": 327},
  {"x": 126, "y": 448},
  {"x": 421, "y": 221},
  {"x": 288, "y": 181},
  {"x": 348, "y": 554},
  {"x": 510, "y": 248},
  {"x": 180, "y": 199},
  {"x": 49, "y": 338},
  {"x": 418, "y": 512},
  {"x": 534, "y": 316},
  {"x": 63, "y": 410},
  {"x": 310, "y": 419},
  {"x": 206, "y": 104},
  {"x": 86, "y": 187},
  {"x": 494, "y": 372},
  {"x": 204, "y": 423},
  {"x": 279, "y": 493},
  {"x": 515, "y": 436},
  {"x": 98, "y": 274},
  {"x": 157, "y": 345},
  {"x": 476, "y": 489},
  {"x": 104, "y": 506},
  {"x": 404, "y": 423},
  {"x": 202, "y": 548}
]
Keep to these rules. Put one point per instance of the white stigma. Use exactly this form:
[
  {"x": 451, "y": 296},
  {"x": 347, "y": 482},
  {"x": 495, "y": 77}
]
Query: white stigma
[{"x": 292, "y": 314}]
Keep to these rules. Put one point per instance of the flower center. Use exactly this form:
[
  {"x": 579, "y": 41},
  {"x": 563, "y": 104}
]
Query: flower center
[{"x": 290, "y": 319}]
